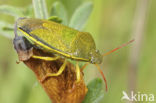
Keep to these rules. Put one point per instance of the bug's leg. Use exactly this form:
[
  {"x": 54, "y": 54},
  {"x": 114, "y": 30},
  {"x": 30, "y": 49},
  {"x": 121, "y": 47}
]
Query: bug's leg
[
  {"x": 78, "y": 75},
  {"x": 45, "y": 58},
  {"x": 84, "y": 66},
  {"x": 61, "y": 69}
]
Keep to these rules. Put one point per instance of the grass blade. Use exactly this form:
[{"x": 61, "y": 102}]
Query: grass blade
[
  {"x": 13, "y": 11},
  {"x": 6, "y": 29}
]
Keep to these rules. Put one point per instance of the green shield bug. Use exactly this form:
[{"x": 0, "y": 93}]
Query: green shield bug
[{"x": 61, "y": 40}]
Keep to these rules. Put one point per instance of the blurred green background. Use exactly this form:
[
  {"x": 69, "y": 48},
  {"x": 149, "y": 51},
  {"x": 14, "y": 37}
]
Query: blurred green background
[{"x": 111, "y": 24}]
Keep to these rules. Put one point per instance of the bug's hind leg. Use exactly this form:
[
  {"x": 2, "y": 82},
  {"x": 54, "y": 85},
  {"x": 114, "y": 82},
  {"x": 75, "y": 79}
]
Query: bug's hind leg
[
  {"x": 78, "y": 75},
  {"x": 84, "y": 66},
  {"x": 61, "y": 69},
  {"x": 45, "y": 58}
]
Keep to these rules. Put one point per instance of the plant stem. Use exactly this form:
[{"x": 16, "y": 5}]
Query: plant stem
[
  {"x": 63, "y": 88},
  {"x": 138, "y": 33}
]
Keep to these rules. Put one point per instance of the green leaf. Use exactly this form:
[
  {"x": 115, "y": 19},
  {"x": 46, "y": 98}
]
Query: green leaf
[
  {"x": 60, "y": 11},
  {"x": 55, "y": 19},
  {"x": 13, "y": 11},
  {"x": 71, "y": 5},
  {"x": 6, "y": 29},
  {"x": 81, "y": 16},
  {"x": 40, "y": 9},
  {"x": 95, "y": 91},
  {"x": 28, "y": 11}
]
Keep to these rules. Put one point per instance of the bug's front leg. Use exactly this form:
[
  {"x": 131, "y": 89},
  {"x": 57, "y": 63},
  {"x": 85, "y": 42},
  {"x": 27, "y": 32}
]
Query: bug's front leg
[{"x": 45, "y": 58}]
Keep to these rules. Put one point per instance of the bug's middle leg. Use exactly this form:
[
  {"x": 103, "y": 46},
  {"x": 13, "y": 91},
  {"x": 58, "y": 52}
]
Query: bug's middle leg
[
  {"x": 61, "y": 69},
  {"x": 78, "y": 73}
]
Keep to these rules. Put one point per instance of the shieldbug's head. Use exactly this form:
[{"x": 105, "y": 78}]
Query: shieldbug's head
[{"x": 23, "y": 47}]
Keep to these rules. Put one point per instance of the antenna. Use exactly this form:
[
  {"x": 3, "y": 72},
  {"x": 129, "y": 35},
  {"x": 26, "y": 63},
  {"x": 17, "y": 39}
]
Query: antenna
[
  {"x": 123, "y": 45},
  {"x": 102, "y": 75}
]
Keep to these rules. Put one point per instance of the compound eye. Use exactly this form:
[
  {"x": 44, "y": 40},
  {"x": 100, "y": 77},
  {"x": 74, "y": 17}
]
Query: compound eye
[{"x": 97, "y": 51}]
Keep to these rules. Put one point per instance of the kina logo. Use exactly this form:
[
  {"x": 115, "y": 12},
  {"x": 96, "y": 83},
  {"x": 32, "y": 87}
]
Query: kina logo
[{"x": 137, "y": 96}]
